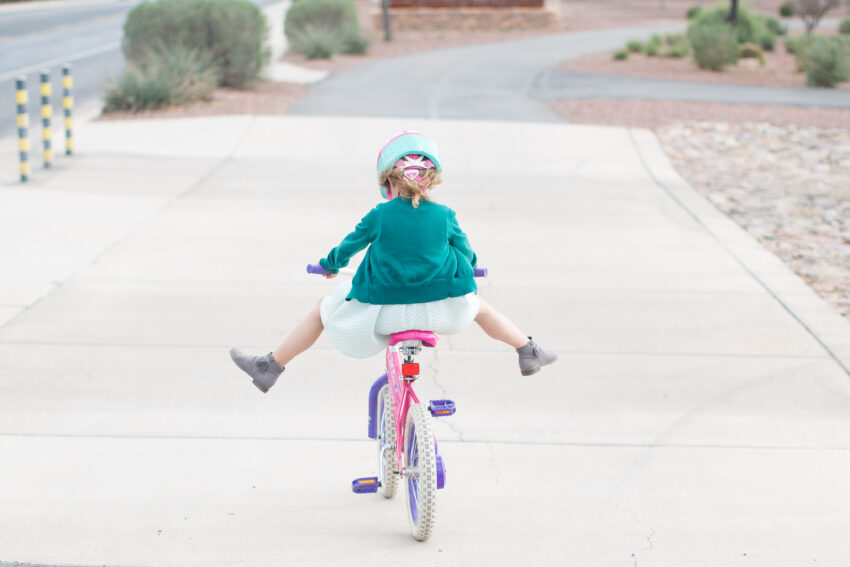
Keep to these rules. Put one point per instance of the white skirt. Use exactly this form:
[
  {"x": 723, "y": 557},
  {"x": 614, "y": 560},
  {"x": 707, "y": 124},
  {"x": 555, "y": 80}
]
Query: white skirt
[{"x": 361, "y": 330}]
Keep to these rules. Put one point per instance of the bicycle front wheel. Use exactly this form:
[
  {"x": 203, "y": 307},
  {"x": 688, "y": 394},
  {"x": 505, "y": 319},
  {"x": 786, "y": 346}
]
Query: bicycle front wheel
[
  {"x": 420, "y": 467},
  {"x": 387, "y": 479}
]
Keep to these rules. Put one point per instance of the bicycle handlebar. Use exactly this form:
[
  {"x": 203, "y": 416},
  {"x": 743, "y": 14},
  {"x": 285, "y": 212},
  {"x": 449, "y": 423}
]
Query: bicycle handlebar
[{"x": 317, "y": 269}]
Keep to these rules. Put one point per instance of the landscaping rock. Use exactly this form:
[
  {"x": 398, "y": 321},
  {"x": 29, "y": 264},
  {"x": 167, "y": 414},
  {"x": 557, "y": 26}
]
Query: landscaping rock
[{"x": 788, "y": 186}]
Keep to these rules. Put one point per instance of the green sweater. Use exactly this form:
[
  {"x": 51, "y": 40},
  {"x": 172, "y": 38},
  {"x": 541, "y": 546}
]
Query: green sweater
[{"x": 416, "y": 255}]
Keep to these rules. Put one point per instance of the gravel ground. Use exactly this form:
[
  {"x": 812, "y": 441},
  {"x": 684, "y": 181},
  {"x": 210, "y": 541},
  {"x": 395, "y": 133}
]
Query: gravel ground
[
  {"x": 656, "y": 113},
  {"x": 788, "y": 186}
]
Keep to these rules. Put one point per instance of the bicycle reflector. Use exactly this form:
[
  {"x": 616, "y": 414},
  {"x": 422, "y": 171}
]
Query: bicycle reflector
[{"x": 410, "y": 369}]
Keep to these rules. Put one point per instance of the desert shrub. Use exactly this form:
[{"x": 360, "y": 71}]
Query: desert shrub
[
  {"x": 677, "y": 47},
  {"x": 844, "y": 26},
  {"x": 714, "y": 44},
  {"x": 621, "y": 55},
  {"x": 750, "y": 27},
  {"x": 693, "y": 12},
  {"x": 786, "y": 9},
  {"x": 166, "y": 76},
  {"x": 316, "y": 42},
  {"x": 316, "y": 20},
  {"x": 767, "y": 42},
  {"x": 354, "y": 42},
  {"x": 798, "y": 46},
  {"x": 775, "y": 26},
  {"x": 653, "y": 46},
  {"x": 232, "y": 31},
  {"x": 750, "y": 51},
  {"x": 634, "y": 46},
  {"x": 828, "y": 62}
]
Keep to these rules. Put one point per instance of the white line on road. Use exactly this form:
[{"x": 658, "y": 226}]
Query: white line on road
[{"x": 85, "y": 54}]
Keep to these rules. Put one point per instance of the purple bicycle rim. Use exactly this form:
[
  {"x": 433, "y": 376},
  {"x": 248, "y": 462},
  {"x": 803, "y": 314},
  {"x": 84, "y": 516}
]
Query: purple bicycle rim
[{"x": 413, "y": 482}]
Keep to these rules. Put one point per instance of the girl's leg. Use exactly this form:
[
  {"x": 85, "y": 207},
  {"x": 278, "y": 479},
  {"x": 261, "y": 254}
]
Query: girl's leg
[
  {"x": 498, "y": 326},
  {"x": 266, "y": 369},
  {"x": 531, "y": 355},
  {"x": 300, "y": 338}
]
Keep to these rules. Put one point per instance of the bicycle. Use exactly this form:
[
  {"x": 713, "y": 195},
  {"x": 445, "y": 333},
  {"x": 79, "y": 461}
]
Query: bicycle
[{"x": 398, "y": 421}]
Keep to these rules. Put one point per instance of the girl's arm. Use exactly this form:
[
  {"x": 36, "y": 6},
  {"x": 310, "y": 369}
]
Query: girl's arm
[
  {"x": 362, "y": 235},
  {"x": 458, "y": 239}
]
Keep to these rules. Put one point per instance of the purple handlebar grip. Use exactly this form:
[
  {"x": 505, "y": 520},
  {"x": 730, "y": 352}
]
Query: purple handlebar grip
[
  {"x": 316, "y": 269},
  {"x": 480, "y": 272}
]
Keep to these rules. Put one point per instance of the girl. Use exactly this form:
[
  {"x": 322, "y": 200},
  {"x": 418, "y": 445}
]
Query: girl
[{"x": 417, "y": 274}]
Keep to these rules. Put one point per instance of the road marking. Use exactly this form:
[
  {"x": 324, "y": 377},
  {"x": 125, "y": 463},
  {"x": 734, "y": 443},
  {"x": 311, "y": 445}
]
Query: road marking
[{"x": 85, "y": 54}]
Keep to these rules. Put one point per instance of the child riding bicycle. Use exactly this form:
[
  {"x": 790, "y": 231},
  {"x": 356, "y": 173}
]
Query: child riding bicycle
[{"x": 417, "y": 274}]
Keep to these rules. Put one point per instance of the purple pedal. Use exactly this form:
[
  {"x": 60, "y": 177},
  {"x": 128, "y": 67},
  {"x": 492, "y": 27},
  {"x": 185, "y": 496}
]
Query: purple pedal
[
  {"x": 441, "y": 408},
  {"x": 365, "y": 485}
]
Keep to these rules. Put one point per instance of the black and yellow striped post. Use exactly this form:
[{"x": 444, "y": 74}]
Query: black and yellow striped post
[
  {"x": 23, "y": 126},
  {"x": 68, "y": 107},
  {"x": 46, "y": 113}
]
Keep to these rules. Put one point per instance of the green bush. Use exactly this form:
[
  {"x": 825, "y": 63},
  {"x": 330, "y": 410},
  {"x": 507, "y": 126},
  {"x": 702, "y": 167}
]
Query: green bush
[
  {"x": 332, "y": 17},
  {"x": 751, "y": 27},
  {"x": 333, "y": 14},
  {"x": 798, "y": 46},
  {"x": 233, "y": 32},
  {"x": 693, "y": 12},
  {"x": 316, "y": 42},
  {"x": 634, "y": 46},
  {"x": 354, "y": 42},
  {"x": 844, "y": 26},
  {"x": 715, "y": 44},
  {"x": 678, "y": 48},
  {"x": 786, "y": 9},
  {"x": 775, "y": 26},
  {"x": 828, "y": 62},
  {"x": 652, "y": 49},
  {"x": 621, "y": 55},
  {"x": 168, "y": 76}
]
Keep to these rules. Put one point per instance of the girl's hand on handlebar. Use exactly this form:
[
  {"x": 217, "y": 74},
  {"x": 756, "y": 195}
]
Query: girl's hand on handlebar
[{"x": 329, "y": 276}]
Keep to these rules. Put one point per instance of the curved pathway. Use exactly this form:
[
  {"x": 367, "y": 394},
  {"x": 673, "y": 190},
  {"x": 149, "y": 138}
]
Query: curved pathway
[{"x": 516, "y": 80}]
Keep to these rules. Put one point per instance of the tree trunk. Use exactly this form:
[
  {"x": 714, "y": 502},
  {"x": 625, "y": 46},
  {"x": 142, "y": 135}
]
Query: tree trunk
[
  {"x": 732, "y": 18},
  {"x": 385, "y": 8}
]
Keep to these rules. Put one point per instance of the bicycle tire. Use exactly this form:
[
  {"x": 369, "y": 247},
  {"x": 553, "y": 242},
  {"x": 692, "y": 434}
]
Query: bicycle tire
[
  {"x": 387, "y": 479},
  {"x": 420, "y": 456}
]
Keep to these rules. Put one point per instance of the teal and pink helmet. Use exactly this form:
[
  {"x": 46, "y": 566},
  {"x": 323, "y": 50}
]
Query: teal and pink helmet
[{"x": 410, "y": 151}]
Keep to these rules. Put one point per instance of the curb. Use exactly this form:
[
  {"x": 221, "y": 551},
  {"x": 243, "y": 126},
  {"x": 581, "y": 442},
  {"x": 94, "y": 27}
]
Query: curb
[{"x": 816, "y": 316}]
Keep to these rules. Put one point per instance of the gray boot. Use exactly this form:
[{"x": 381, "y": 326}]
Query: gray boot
[
  {"x": 532, "y": 356},
  {"x": 263, "y": 369}
]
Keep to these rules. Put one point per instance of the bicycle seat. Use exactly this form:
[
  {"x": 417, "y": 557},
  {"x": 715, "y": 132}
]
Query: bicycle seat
[{"x": 428, "y": 338}]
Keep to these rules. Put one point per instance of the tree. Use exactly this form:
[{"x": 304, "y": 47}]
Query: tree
[
  {"x": 732, "y": 18},
  {"x": 811, "y": 11}
]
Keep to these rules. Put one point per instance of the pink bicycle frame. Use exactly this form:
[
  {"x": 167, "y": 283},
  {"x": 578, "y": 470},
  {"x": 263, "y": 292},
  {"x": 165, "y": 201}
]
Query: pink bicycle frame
[{"x": 403, "y": 395}]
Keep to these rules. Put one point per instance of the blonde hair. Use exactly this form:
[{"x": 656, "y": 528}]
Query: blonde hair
[{"x": 410, "y": 188}]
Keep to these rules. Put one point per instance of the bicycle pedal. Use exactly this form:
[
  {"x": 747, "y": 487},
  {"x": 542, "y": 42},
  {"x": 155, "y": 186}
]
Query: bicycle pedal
[
  {"x": 441, "y": 408},
  {"x": 365, "y": 485}
]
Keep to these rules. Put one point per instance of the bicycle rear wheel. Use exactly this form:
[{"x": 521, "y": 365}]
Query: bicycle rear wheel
[
  {"x": 387, "y": 479},
  {"x": 420, "y": 466}
]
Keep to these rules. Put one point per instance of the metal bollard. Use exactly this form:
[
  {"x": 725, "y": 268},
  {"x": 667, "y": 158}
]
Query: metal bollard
[
  {"x": 23, "y": 126},
  {"x": 46, "y": 113},
  {"x": 67, "y": 106}
]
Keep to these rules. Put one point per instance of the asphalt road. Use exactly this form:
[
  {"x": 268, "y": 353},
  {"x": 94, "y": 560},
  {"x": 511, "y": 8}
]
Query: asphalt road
[
  {"x": 517, "y": 80},
  {"x": 39, "y": 37}
]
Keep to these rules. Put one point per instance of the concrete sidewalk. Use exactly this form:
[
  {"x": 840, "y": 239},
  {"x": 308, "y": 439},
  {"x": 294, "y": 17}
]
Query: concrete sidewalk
[{"x": 699, "y": 414}]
